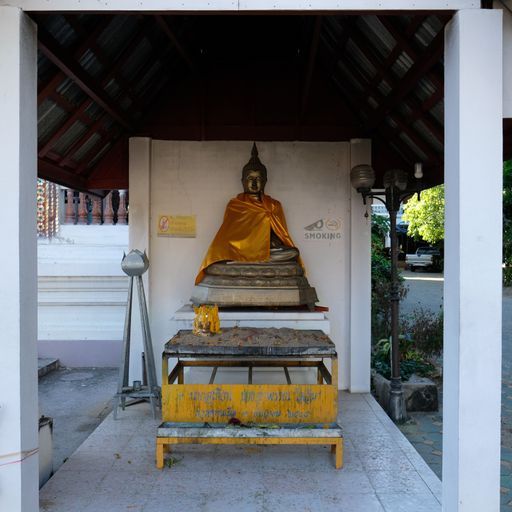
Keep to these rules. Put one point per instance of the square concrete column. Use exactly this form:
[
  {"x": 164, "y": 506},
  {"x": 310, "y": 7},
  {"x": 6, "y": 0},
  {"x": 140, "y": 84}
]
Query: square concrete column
[
  {"x": 473, "y": 236},
  {"x": 19, "y": 469},
  {"x": 360, "y": 276},
  {"x": 139, "y": 237}
]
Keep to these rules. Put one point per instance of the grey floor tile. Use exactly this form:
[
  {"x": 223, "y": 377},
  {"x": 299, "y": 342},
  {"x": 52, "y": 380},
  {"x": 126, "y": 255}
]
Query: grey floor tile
[
  {"x": 392, "y": 481},
  {"x": 408, "y": 502},
  {"x": 334, "y": 485},
  {"x": 349, "y": 503}
]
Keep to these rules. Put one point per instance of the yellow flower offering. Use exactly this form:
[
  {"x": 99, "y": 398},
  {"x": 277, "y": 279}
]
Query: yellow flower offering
[{"x": 206, "y": 320}]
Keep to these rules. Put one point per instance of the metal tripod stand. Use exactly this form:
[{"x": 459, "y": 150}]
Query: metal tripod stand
[{"x": 134, "y": 265}]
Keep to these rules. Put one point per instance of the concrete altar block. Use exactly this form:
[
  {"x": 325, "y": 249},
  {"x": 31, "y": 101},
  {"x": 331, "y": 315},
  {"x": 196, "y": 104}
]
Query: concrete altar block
[{"x": 298, "y": 319}]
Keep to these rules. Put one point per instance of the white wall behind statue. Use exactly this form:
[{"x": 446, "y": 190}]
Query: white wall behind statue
[{"x": 311, "y": 179}]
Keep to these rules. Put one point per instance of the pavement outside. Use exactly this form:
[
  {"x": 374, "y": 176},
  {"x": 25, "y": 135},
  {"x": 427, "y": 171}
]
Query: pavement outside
[{"x": 78, "y": 400}]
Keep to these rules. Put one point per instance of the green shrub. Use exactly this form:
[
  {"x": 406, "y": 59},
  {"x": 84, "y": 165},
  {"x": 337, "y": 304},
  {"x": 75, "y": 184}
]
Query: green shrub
[
  {"x": 411, "y": 360},
  {"x": 425, "y": 330}
]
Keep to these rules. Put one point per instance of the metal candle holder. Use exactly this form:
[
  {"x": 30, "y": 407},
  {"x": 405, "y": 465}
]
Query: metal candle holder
[{"x": 135, "y": 264}]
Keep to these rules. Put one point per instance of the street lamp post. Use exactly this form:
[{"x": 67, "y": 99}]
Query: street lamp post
[{"x": 396, "y": 190}]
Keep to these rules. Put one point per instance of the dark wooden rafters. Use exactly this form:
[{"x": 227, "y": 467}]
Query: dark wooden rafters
[
  {"x": 405, "y": 43},
  {"x": 106, "y": 61},
  {"x": 369, "y": 83},
  {"x": 407, "y": 84},
  {"x": 113, "y": 72},
  {"x": 65, "y": 62},
  {"x": 63, "y": 128},
  {"x": 412, "y": 103},
  {"x": 78, "y": 113},
  {"x": 113, "y": 137},
  {"x": 401, "y": 113},
  {"x": 77, "y": 53},
  {"x": 315, "y": 40},
  {"x": 52, "y": 172},
  {"x": 164, "y": 26},
  {"x": 383, "y": 69},
  {"x": 356, "y": 102}
]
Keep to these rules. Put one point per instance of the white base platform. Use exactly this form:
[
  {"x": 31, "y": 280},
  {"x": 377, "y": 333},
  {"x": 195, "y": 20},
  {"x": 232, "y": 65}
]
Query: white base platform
[{"x": 260, "y": 318}]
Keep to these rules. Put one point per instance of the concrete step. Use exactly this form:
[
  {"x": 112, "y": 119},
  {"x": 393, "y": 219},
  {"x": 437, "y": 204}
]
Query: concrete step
[{"x": 46, "y": 365}]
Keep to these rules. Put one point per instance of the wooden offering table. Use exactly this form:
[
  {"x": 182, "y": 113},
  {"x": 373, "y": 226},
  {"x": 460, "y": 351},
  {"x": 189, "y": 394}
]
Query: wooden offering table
[{"x": 250, "y": 413}]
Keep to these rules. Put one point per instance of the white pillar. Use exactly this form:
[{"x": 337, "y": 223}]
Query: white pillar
[
  {"x": 360, "y": 277},
  {"x": 472, "y": 290},
  {"x": 19, "y": 469},
  {"x": 139, "y": 235}
]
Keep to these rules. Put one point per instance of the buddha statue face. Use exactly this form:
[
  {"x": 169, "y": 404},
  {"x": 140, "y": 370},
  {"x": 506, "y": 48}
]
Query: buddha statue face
[{"x": 254, "y": 182}]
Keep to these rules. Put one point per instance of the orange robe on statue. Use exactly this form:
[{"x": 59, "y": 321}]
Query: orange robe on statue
[{"x": 245, "y": 231}]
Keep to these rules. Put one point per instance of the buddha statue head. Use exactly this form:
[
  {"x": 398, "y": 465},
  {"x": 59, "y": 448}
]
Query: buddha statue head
[{"x": 254, "y": 174}]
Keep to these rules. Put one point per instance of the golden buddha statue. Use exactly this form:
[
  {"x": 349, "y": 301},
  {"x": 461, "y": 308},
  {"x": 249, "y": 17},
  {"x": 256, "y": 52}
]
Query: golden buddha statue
[{"x": 252, "y": 261}]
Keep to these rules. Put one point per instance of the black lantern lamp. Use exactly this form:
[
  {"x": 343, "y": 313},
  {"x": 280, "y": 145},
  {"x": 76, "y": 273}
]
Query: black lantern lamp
[
  {"x": 362, "y": 178},
  {"x": 396, "y": 189}
]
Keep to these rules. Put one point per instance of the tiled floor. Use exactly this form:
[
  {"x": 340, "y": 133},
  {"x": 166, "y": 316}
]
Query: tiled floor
[{"x": 114, "y": 470}]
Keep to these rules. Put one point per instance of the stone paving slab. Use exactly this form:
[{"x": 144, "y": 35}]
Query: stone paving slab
[{"x": 114, "y": 469}]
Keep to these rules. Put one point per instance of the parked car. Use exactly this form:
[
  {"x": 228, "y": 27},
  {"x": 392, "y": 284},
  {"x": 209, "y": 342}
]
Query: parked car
[{"x": 424, "y": 257}]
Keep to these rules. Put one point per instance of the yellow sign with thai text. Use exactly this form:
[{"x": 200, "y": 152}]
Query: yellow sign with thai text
[{"x": 177, "y": 226}]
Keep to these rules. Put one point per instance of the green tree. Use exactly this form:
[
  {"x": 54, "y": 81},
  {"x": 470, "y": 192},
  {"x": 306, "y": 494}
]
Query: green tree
[
  {"x": 426, "y": 216},
  {"x": 381, "y": 280}
]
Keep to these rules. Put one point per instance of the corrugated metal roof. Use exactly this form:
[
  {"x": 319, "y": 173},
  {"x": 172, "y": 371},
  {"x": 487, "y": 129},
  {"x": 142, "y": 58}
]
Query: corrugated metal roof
[
  {"x": 366, "y": 58},
  {"x": 49, "y": 118},
  {"x": 91, "y": 64},
  {"x": 419, "y": 153},
  {"x": 61, "y": 30},
  {"x": 88, "y": 145},
  {"x": 381, "y": 40},
  {"x": 427, "y": 135},
  {"x": 139, "y": 57},
  {"x": 114, "y": 37},
  {"x": 76, "y": 130},
  {"x": 71, "y": 92}
]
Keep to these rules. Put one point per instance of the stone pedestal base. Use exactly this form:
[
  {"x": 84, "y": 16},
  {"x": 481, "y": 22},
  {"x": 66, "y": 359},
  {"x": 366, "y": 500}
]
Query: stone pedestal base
[{"x": 255, "y": 284}]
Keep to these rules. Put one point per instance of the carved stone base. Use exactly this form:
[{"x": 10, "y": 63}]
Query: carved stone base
[{"x": 255, "y": 284}]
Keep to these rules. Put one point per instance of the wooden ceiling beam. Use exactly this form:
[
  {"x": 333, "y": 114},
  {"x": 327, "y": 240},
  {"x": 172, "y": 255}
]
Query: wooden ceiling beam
[
  {"x": 51, "y": 49},
  {"x": 383, "y": 70},
  {"x": 63, "y": 128},
  {"x": 401, "y": 123},
  {"x": 100, "y": 54},
  {"x": 430, "y": 57},
  {"x": 408, "y": 46},
  {"x": 52, "y": 172},
  {"x": 162, "y": 23},
  {"x": 405, "y": 153},
  {"x": 368, "y": 81},
  {"x": 78, "y": 53},
  {"x": 96, "y": 124},
  {"x": 313, "y": 50},
  {"x": 95, "y": 128},
  {"x": 338, "y": 49},
  {"x": 354, "y": 99},
  {"x": 372, "y": 85},
  {"x": 96, "y": 148}
]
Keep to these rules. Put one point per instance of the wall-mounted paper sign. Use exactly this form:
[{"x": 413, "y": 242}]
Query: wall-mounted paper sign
[{"x": 177, "y": 226}]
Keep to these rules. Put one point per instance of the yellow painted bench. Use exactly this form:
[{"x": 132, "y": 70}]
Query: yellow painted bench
[{"x": 290, "y": 407}]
